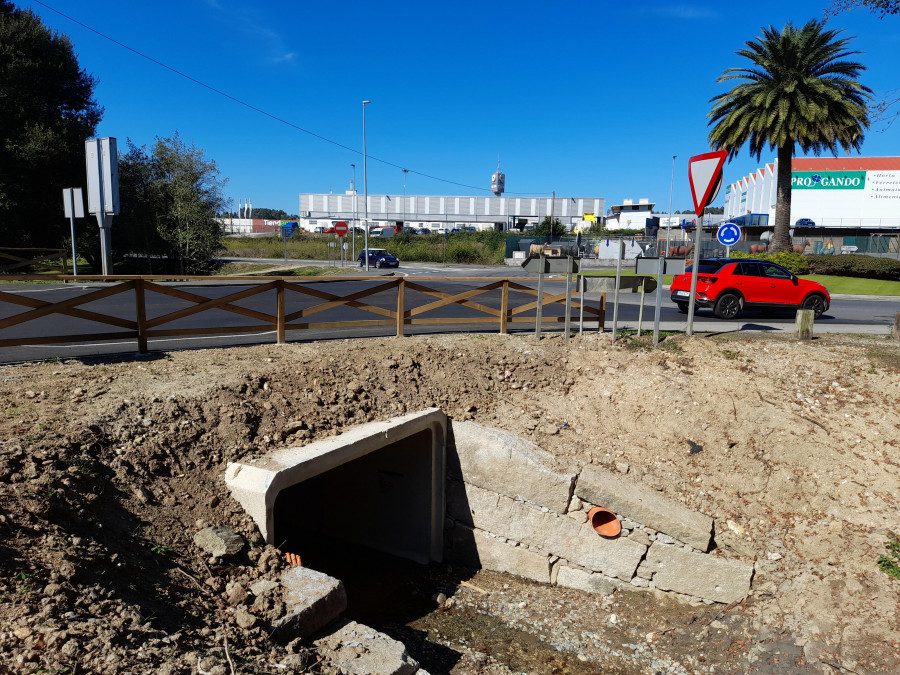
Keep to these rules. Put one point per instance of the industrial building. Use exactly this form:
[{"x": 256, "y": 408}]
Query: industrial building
[
  {"x": 859, "y": 194},
  {"x": 437, "y": 212}
]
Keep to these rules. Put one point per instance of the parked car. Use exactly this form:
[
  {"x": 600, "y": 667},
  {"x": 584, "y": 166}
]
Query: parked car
[
  {"x": 378, "y": 257},
  {"x": 804, "y": 222},
  {"x": 423, "y": 230},
  {"x": 328, "y": 230},
  {"x": 730, "y": 285}
]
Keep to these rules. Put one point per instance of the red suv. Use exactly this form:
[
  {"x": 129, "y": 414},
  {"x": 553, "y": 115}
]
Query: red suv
[{"x": 729, "y": 285}]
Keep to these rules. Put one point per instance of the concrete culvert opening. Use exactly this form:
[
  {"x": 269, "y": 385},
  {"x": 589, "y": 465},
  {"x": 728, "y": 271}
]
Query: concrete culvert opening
[{"x": 366, "y": 507}]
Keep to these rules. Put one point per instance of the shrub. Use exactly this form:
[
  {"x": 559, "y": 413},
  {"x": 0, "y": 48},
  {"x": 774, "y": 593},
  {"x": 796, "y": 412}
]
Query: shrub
[
  {"x": 795, "y": 262},
  {"x": 855, "y": 265}
]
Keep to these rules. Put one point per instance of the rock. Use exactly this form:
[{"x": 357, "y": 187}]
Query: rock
[
  {"x": 244, "y": 619},
  {"x": 219, "y": 541},
  {"x": 477, "y": 548},
  {"x": 52, "y": 589},
  {"x": 236, "y": 594},
  {"x": 312, "y": 601},
  {"x": 623, "y": 467},
  {"x": 582, "y": 580},
  {"x": 359, "y": 650},
  {"x": 263, "y": 587},
  {"x": 143, "y": 495}
]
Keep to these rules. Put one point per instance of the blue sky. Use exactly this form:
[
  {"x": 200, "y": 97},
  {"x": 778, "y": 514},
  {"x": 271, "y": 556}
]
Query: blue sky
[{"x": 590, "y": 99}]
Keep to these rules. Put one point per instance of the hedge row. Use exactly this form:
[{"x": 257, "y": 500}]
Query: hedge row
[
  {"x": 855, "y": 265},
  {"x": 795, "y": 262}
]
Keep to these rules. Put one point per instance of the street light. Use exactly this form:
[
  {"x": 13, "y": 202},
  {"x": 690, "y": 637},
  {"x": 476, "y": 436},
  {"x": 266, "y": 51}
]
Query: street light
[
  {"x": 366, "y": 183},
  {"x": 405, "y": 171},
  {"x": 669, "y": 219},
  {"x": 355, "y": 214}
]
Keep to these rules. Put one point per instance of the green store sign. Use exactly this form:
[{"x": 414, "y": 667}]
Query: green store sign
[{"x": 828, "y": 180}]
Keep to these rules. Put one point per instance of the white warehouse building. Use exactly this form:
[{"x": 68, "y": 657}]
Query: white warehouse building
[{"x": 444, "y": 212}]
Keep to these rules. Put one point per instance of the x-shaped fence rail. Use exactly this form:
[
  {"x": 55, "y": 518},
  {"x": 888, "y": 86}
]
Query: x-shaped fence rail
[{"x": 399, "y": 311}]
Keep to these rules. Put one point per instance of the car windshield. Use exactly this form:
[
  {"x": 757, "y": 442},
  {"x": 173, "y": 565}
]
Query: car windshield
[
  {"x": 378, "y": 252},
  {"x": 708, "y": 266}
]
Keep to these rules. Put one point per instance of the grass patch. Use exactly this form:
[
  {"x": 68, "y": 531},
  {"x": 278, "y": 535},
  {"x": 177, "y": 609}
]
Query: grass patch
[
  {"x": 239, "y": 269},
  {"x": 629, "y": 339},
  {"x": 667, "y": 278},
  {"x": 889, "y": 563},
  {"x": 886, "y": 358},
  {"x": 855, "y": 285}
]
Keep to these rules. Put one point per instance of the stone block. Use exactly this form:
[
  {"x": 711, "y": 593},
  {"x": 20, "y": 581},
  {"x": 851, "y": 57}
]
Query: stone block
[
  {"x": 698, "y": 574},
  {"x": 582, "y": 580},
  {"x": 477, "y": 548},
  {"x": 312, "y": 600},
  {"x": 502, "y": 462},
  {"x": 546, "y": 531},
  {"x": 359, "y": 650},
  {"x": 646, "y": 506},
  {"x": 219, "y": 541}
]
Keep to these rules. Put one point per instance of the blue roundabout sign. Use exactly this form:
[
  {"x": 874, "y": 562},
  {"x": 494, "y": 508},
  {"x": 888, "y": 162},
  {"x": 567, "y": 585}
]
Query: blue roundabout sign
[{"x": 729, "y": 234}]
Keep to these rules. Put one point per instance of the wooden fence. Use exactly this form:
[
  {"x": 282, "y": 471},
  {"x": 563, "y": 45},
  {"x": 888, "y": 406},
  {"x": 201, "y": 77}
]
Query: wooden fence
[
  {"x": 14, "y": 258},
  {"x": 396, "y": 312}
]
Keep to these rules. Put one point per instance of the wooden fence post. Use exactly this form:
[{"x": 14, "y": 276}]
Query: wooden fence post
[
  {"x": 280, "y": 292},
  {"x": 504, "y": 307},
  {"x": 401, "y": 306},
  {"x": 141, "y": 309},
  {"x": 804, "y": 324}
]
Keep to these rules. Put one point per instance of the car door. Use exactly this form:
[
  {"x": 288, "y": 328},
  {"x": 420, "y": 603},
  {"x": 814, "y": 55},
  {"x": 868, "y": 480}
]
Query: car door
[
  {"x": 778, "y": 287},
  {"x": 749, "y": 280}
]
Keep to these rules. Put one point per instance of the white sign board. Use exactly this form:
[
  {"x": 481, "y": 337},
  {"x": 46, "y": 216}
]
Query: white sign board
[
  {"x": 102, "y": 159},
  {"x": 73, "y": 196}
]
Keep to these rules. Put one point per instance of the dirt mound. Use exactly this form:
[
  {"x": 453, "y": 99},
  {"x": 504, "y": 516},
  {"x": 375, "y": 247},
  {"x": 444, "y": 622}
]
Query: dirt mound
[{"x": 108, "y": 468}]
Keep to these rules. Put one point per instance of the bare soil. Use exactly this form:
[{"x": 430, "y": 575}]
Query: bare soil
[{"x": 108, "y": 468}]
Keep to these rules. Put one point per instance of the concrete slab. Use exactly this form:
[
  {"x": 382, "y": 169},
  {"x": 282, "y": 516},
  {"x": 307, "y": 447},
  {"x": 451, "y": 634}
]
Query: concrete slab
[
  {"x": 359, "y": 650},
  {"x": 312, "y": 600},
  {"x": 477, "y": 548},
  {"x": 644, "y": 505},
  {"x": 704, "y": 576},
  {"x": 546, "y": 531},
  {"x": 413, "y": 452},
  {"x": 510, "y": 465},
  {"x": 581, "y": 580}
]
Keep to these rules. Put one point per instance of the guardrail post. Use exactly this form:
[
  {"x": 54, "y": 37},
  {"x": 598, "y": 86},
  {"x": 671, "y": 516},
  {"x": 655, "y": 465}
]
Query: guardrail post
[
  {"x": 602, "y": 318},
  {"x": 141, "y": 308},
  {"x": 803, "y": 324},
  {"x": 504, "y": 307},
  {"x": 401, "y": 306},
  {"x": 279, "y": 289}
]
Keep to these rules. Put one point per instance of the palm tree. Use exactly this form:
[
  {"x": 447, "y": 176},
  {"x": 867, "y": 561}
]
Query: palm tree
[{"x": 799, "y": 91}]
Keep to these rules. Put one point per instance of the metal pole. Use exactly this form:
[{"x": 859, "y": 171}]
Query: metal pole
[
  {"x": 641, "y": 309},
  {"x": 581, "y": 305},
  {"x": 71, "y": 194},
  {"x": 539, "y": 315},
  {"x": 568, "y": 322},
  {"x": 695, "y": 270},
  {"x": 366, "y": 185},
  {"x": 405, "y": 171},
  {"x": 618, "y": 282},
  {"x": 355, "y": 213},
  {"x": 669, "y": 219},
  {"x": 659, "y": 285}
]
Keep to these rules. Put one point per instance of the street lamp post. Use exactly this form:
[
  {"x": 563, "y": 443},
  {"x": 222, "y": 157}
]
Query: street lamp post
[
  {"x": 669, "y": 219},
  {"x": 355, "y": 214},
  {"x": 366, "y": 184},
  {"x": 405, "y": 171}
]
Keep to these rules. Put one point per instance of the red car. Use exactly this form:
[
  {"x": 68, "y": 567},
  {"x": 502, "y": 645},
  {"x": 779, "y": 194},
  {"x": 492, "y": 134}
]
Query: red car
[{"x": 729, "y": 285}]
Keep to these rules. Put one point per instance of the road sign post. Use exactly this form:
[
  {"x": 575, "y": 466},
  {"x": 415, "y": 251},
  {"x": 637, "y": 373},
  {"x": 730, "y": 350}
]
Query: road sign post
[
  {"x": 705, "y": 176},
  {"x": 73, "y": 207},
  {"x": 728, "y": 235}
]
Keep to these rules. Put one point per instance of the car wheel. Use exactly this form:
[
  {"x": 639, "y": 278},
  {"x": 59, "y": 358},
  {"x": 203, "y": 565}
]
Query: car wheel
[
  {"x": 816, "y": 303},
  {"x": 378, "y": 264},
  {"x": 362, "y": 263},
  {"x": 728, "y": 305},
  {"x": 682, "y": 307}
]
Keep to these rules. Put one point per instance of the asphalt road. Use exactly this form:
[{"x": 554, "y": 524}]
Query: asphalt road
[{"x": 848, "y": 314}]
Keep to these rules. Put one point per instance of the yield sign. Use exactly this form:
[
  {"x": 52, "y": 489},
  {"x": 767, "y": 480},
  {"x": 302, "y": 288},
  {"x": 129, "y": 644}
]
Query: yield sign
[{"x": 705, "y": 174}]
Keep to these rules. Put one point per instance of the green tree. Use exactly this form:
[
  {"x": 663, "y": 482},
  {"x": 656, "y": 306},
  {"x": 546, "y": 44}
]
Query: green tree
[
  {"x": 799, "y": 92},
  {"x": 544, "y": 229},
  {"x": 46, "y": 113}
]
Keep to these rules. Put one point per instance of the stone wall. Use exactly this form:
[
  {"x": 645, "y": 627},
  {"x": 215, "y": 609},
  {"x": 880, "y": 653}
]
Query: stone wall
[{"x": 511, "y": 510}]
